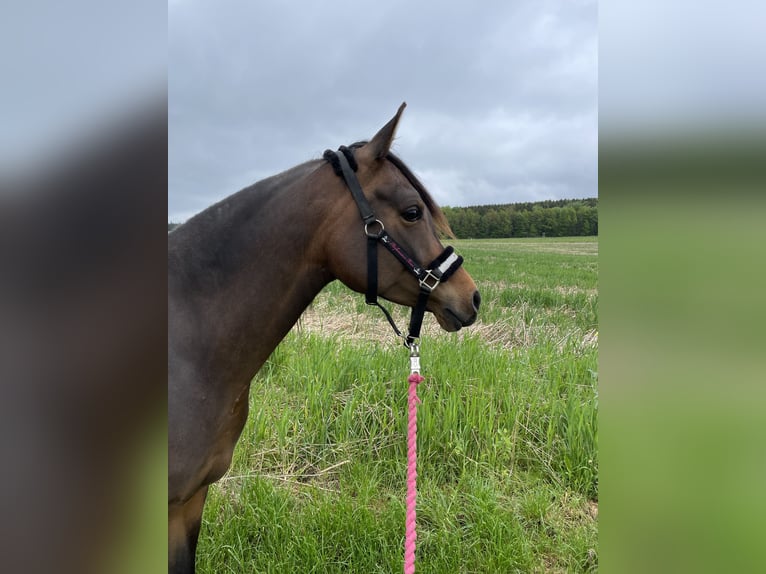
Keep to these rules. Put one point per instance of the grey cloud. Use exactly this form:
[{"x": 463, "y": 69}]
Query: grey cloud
[
  {"x": 501, "y": 95},
  {"x": 682, "y": 64}
]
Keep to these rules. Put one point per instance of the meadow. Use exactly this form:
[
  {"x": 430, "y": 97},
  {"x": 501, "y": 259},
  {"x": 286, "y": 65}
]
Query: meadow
[{"x": 507, "y": 432}]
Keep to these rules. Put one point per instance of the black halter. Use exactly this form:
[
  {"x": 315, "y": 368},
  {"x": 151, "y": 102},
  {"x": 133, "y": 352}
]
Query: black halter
[{"x": 429, "y": 278}]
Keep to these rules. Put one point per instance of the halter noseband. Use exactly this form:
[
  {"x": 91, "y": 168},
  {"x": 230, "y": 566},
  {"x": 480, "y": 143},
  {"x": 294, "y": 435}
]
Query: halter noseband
[{"x": 429, "y": 277}]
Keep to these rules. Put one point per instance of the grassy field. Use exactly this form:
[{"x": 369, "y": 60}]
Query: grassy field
[{"x": 507, "y": 432}]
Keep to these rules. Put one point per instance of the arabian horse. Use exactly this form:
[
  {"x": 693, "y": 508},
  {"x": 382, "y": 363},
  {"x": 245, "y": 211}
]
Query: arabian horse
[{"x": 241, "y": 273}]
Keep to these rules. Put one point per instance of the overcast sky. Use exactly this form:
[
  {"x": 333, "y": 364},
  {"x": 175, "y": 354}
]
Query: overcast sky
[
  {"x": 71, "y": 68},
  {"x": 501, "y": 95}
]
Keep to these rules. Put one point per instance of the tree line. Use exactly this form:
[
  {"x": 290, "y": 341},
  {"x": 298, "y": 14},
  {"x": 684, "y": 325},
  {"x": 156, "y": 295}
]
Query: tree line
[{"x": 550, "y": 218}]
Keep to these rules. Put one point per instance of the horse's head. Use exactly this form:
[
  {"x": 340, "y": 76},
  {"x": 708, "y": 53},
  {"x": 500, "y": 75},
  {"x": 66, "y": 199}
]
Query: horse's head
[{"x": 411, "y": 218}]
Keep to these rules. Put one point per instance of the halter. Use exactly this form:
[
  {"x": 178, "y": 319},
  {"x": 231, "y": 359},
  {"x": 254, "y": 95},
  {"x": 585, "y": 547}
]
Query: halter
[{"x": 429, "y": 277}]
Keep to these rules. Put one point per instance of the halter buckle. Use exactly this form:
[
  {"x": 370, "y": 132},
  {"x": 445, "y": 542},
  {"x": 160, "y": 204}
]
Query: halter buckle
[{"x": 429, "y": 276}]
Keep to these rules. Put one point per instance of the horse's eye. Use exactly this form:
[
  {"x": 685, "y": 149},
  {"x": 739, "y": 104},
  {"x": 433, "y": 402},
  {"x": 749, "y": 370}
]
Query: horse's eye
[{"x": 412, "y": 213}]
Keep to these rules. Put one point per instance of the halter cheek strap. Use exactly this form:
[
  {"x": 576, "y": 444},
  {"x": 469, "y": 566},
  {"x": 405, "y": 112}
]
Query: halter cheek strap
[{"x": 429, "y": 277}]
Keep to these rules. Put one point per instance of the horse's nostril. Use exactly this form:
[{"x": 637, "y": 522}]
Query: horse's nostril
[{"x": 476, "y": 300}]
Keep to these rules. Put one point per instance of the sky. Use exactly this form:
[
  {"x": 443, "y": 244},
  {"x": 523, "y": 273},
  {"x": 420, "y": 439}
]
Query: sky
[
  {"x": 502, "y": 97},
  {"x": 681, "y": 65},
  {"x": 69, "y": 69}
]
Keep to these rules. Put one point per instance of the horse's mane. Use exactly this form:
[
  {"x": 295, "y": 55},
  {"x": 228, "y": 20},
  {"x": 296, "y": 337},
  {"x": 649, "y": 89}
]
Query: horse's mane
[{"x": 440, "y": 221}]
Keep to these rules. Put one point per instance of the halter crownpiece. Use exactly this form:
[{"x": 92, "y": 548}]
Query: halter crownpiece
[{"x": 429, "y": 277}]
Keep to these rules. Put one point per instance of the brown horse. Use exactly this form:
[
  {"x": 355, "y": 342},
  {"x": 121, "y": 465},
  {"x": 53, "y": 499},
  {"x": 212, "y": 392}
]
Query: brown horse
[{"x": 241, "y": 273}]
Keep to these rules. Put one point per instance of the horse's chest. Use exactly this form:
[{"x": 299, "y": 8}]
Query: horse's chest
[{"x": 232, "y": 423}]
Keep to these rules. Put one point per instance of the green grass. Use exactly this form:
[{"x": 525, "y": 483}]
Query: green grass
[{"x": 507, "y": 432}]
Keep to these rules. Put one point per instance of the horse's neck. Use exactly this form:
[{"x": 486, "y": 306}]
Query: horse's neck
[{"x": 266, "y": 269}]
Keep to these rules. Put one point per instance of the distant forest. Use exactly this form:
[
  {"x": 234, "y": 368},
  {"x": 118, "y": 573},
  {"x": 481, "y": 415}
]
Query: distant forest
[{"x": 550, "y": 218}]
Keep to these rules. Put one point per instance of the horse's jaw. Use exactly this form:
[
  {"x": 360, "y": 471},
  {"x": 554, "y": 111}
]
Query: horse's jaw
[{"x": 450, "y": 321}]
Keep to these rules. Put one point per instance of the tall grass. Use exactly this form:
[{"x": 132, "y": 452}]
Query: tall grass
[{"x": 507, "y": 433}]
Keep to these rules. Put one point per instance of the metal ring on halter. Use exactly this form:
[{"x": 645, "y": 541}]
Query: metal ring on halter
[{"x": 374, "y": 235}]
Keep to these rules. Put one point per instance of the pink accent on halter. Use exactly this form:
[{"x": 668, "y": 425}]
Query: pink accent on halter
[{"x": 412, "y": 474}]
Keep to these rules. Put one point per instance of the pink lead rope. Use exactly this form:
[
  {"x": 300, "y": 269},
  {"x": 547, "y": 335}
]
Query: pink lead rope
[{"x": 412, "y": 474}]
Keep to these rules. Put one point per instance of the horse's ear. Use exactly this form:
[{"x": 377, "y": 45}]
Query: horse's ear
[{"x": 378, "y": 146}]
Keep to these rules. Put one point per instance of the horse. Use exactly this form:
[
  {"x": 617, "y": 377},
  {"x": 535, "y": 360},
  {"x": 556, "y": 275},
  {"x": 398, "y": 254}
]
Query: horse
[
  {"x": 82, "y": 341},
  {"x": 241, "y": 273}
]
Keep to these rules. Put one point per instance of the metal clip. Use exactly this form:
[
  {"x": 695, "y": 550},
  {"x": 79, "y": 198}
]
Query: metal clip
[{"x": 414, "y": 358}]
